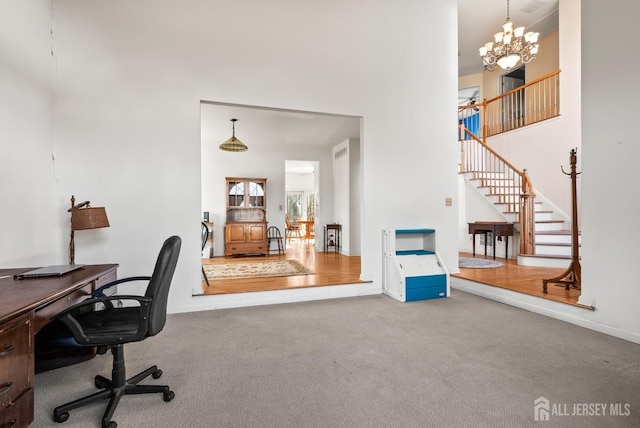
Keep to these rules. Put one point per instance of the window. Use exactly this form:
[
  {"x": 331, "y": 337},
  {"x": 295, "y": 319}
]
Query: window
[{"x": 294, "y": 205}]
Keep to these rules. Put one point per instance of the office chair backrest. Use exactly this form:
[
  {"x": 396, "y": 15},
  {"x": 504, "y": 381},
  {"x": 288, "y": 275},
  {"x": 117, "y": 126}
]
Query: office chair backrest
[{"x": 158, "y": 288}]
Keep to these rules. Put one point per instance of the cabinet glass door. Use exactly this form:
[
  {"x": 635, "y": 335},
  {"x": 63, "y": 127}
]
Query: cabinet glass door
[
  {"x": 235, "y": 193},
  {"x": 256, "y": 194}
]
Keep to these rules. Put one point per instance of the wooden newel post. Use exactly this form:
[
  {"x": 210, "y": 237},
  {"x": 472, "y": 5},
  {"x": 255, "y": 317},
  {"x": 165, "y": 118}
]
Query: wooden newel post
[{"x": 571, "y": 278}]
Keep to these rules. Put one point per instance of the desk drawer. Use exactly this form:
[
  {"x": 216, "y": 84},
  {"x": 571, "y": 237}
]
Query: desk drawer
[
  {"x": 20, "y": 413},
  {"x": 16, "y": 360},
  {"x": 47, "y": 313},
  {"x": 105, "y": 279}
]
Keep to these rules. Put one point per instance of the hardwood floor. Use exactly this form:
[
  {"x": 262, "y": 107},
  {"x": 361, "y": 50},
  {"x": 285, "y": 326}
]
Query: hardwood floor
[
  {"x": 524, "y": 279},
  {"x": 333, "y": 269},
  {"x": 330, "y": 269}
]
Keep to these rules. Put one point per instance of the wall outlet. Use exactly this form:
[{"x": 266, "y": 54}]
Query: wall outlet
[{"x": 448, "y": 202}]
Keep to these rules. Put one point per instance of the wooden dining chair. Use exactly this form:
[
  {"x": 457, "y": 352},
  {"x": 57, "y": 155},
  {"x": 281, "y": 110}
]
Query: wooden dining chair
[
  {"x": 273, "y": 234},
  {"x": 291, "y": 229}
]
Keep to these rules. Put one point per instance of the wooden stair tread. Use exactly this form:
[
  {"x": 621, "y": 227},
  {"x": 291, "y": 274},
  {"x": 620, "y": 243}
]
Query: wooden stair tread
[
  {"x": 554, "y": 232},
  {"x": 555, "y": 244}
]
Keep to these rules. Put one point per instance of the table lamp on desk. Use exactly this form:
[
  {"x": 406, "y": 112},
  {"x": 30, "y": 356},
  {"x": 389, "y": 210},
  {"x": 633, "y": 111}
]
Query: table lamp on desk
[{"x": 84, "y": 217}]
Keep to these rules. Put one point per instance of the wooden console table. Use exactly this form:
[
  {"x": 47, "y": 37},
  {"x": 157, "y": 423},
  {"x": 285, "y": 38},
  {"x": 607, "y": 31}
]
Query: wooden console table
[
  {"x": 332, "y": 236},
  {"x": 500, "y": 228},
  {"x": 27, "y": 306}
]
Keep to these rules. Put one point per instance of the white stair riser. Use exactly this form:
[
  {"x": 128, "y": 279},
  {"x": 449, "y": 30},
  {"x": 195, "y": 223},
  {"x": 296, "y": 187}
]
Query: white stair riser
[
  {"x": 542, "y": 227},
  {"x": 544, "y": 216},
  {"x": 552, "y": 239},
  {"x": 543, "y": 262},
  {"x": 553, "y": 250}
]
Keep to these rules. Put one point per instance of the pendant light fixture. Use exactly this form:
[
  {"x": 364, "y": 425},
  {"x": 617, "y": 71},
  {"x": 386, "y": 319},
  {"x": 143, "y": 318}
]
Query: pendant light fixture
[
  {"x": 510, "y": 46},
  {"x": 233, "y": 144}
]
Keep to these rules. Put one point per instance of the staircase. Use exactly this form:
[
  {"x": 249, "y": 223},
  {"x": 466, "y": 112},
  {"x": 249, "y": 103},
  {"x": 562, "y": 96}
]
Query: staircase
[
  {"x": 552, "y": 229},
  {"x": 542, "y": 230}
]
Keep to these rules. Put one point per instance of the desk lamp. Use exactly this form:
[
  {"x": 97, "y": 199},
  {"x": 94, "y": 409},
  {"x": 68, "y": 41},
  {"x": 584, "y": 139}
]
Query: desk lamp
[{"x": 84, "y": 217}]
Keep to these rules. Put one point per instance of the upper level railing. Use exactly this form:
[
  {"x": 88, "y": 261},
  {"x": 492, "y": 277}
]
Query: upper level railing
[{"x": 533, "y": 102}]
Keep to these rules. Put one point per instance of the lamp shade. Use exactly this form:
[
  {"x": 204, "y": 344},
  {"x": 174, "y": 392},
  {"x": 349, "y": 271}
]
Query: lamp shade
[
  {"x": 89, "y": 218},
  {"x": 233, "y": 145}
]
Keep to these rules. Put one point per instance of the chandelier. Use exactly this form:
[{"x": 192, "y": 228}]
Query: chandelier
[
  {"x": 233, "y": 144},
  {"x": 510, "y": 46}
]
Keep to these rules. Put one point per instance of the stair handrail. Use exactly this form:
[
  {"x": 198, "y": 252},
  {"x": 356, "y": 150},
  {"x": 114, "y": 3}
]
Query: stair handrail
[{"x": 526, "y": 194}]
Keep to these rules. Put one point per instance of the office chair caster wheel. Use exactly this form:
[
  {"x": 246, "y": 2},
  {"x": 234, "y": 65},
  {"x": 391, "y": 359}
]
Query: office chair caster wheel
[
  {"x": 157, "y": 374},
  {"x": 60, "y": 417},
  {"x": 111, "y": 424},
  {"x": 168, "y": 396}
]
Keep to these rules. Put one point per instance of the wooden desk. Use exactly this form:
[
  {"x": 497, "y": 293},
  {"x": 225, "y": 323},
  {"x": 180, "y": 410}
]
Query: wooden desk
[
  {"x": 28, "y": 305},
  {"x": 499, "y": 228}
]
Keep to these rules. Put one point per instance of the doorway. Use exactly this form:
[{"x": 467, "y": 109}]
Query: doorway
[
  {"x": 513, "y": 103},
  {"x": 273, "y": 137},
  {"x": 302, "y": 194}
]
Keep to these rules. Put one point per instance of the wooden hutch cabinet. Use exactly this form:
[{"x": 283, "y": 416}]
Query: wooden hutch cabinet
[{"x": 245, "y": 231}]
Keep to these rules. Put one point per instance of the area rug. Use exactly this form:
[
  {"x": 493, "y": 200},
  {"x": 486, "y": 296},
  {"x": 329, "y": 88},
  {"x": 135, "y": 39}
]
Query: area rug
[
  {"x": 468, "y": 262},
  {"x": 255, "y": 269}
]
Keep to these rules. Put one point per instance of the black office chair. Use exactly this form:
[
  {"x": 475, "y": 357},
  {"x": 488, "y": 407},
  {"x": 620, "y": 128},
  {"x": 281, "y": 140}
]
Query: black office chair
[
  {"x": 101, "y": 321},
  {"x": 204, "y": 237}
]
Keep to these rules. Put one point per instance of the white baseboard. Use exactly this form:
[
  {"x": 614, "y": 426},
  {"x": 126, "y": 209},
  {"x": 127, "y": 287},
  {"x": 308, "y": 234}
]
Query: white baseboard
[
  {"x": 238, "y": 300},
  {"x": 561, "y": 311}
]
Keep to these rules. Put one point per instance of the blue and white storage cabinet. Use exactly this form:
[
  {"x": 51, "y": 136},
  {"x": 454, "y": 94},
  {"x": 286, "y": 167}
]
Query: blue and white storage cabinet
[{"x": 413, "y": 269}]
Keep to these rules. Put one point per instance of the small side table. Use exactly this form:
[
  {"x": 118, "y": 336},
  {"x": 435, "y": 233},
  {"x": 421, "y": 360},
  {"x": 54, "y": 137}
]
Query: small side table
[{"x": 332, "y": 234}]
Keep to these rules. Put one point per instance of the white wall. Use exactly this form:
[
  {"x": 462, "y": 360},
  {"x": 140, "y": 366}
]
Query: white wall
[
  {"x": 300, "y": 182},
  {"x": 341, "y": 193},
  {"x": 347, "y": 195},
  {"x": 27, "y": 214},
  {"x": 611, "y": 149},
  {"x": 355, "y": 199},
  {"x": 131, "y": 76}
]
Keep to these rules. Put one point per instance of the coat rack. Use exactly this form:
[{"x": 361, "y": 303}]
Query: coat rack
[{"x": 571, "y": 278}]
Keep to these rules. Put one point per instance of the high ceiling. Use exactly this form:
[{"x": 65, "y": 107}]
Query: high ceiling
[{"x": 477, "y": 22}]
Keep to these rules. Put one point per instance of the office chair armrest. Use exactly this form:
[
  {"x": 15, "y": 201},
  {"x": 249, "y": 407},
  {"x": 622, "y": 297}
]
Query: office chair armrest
[
  {"x": 69, "y": 318},
  {"x": 99, "y": 292}
]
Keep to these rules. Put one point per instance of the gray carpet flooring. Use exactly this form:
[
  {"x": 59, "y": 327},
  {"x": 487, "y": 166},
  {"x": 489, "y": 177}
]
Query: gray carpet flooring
[{"x": 365, "y": 362}]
